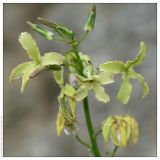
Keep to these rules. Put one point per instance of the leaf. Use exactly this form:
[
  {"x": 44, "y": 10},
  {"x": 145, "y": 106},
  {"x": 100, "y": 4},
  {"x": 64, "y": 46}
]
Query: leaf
[
  {"x": 113, "y": 67},
  {"x": 104, "y": 78},
  {"x": 135, "y": 130},
  {"x": 140, "y": 57},
  {"x": 52, "y": 58},
  {"x": 81, "y": 93},
  {"x": 125, "y": 90},
  {"x": 140, "y": 78},
  {"x": 58, "y": 76},
  {"x": 72, "y": 105},
  {"x": 69, "y": 90},
  {"x": 30, "y": 46},
  {"x": 18, "y": 71},
  {"x": 106, "y": 128},
  {"x": 100, "y": 93},
  {"x": 60, "y": 123}
]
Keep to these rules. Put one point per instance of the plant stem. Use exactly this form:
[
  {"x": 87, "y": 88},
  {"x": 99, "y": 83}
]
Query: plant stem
[
  {"x": 83, "y": 37},
  {"x": 114, "y": 151},
  {"x": 82, "y": 142},
  {"x": 94, "y": 146}
]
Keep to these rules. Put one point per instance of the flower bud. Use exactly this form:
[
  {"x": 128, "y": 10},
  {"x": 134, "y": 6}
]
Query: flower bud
[
  {"x": 61, "y": 30},
  {"x": 91, "y": 19},
  {"x": 119, "y": 129},
  {"x": 47, "y": 34}
]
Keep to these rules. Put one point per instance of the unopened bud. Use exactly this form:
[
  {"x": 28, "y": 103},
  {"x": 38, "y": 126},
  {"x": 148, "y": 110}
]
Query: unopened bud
[
  {"x": 91, "y": 19},
  {"x": 45, "y": 33}
]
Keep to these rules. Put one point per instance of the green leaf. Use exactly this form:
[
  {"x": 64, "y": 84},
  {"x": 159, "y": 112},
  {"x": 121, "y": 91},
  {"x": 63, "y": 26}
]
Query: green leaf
[
  {"x": 52, "y": 58},
  {"x": 18, "y": 71},
  {"x": 81, "y": 93},
  {"x": 106, "y": 128},
  {"x": 104, "y": 78},
  {"x": 125, "y": 90},
  {"x": 69, "y": 90},
  {"x": 140, "y": 78},
  {"x": 30, "y": 46},
  {"x": 26, "y": 76},
  {"x": 60, "y": 123},
  {"x": 100, "y": 93},
  {"x": 140, "y": 57},
  {"x": 113, "y": 67},
  {"x": 58, "y": 76}
]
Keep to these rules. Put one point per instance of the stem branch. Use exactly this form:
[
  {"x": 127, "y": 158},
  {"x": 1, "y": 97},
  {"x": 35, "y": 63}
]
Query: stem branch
[
  {"x": 82, "y": 142},
  {"x": 114, "y": 151}
]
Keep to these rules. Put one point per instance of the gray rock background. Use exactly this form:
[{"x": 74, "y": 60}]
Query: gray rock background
[{"x": 29, "y": 118}]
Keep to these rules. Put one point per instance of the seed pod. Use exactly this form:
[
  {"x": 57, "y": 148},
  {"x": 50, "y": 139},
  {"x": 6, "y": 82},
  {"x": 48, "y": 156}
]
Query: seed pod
[
  {"x": 47, "y": 34},
  {"x": 91, "y": 19}
]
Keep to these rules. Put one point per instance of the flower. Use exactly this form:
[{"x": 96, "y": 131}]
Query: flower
[{"x": 119, "y": 129}]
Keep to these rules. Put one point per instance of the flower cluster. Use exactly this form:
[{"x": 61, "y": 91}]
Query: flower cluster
[{"x": 83, "y": 77}]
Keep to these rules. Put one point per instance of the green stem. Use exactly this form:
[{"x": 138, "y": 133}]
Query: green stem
[
  {"x": 82, "y": 142},
  {"x": 83, "y": 37},
  {"x": 94, "y": 148},
  {"x": 114, "y": 151}
]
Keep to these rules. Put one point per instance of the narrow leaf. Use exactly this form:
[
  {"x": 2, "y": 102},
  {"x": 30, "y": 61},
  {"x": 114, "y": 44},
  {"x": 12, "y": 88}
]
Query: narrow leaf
[
  {"x": 30, "y": 46},
  {"x": 125, "y": 90},
  {"x": 100, "y": 93},
  {"x": 140, "y": 78},
  {"x": 113, "y": 67}
]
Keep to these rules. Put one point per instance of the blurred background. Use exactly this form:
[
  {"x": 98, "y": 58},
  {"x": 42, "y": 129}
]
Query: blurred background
[{"x": 29, "y": 118}]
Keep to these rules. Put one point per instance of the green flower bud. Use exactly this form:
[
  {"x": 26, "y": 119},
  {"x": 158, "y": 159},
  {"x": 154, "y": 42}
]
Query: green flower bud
[
  {"x": 47, "y": 34},
  {"x": 119, "y": 129},
  {"x": 61, "y": 30},
  {"x": 91, "y": 19}
]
